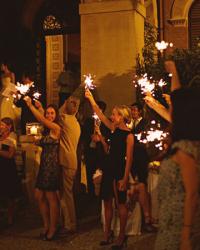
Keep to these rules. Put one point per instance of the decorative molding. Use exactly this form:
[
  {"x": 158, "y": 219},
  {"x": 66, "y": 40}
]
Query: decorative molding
[
  {"x": 51, "y": 23},
  {"x": 54, "y": 65},
  {"x": 178, "y": 22},
  {"x": 111, "y": 6}
]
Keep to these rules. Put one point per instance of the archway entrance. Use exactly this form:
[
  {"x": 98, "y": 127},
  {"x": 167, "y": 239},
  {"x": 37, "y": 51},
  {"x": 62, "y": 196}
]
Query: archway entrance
[{"x": 57, "y": 27}]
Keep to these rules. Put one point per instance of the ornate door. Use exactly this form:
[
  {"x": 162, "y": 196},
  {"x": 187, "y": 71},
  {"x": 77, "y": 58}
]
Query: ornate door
[{"x": 54, "y": 65}]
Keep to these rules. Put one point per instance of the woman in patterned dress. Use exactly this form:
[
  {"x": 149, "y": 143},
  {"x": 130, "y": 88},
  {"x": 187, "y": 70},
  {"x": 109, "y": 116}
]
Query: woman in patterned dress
[
  {"x": 179, "y": 183},
  {"x": 47, "y": 183}
]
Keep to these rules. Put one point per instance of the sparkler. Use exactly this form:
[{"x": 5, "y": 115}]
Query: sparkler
[
  {"x": 162, "y": 83},
  {"x": 153, "y": 135},
  {"x": 96, "y": 119},
  {"x": 36, "y": 95},
  {"x": 24, "y": 88},
  {"x": 89, "y": 82},
  {"x": 161, "y": 46},
  {"x": 145, "y": 84}
]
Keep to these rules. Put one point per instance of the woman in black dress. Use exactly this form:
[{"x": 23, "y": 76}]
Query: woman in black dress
[
  {"x": 119, "y": 164},
  {"x": 47, "y": 184},
  {"x": 9, "y": 181}
]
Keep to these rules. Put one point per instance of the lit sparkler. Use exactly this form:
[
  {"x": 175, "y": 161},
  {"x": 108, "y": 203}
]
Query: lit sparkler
[
  {"x": 161, "y": 83},
  {"x": 36, "y": 95},
  {"x": 89, "y": 82},
  {"x": 96, "y": 119},
  {"x": 161, "y": 46},
  {"x": 153, "y": 135},
  {"x": 23, "y": 88},
  {"x": 145, "y": 84}
]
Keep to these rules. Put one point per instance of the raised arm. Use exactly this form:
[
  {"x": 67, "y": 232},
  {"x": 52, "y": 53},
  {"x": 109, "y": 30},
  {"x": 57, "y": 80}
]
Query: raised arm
[
  {"x": 38, "y": 105},
  {"x": 158, "y": 107},
  {"x": 97, "y": 110},
  {"x": 40, "y": 117},
  {"x": 171, "y": 69}
]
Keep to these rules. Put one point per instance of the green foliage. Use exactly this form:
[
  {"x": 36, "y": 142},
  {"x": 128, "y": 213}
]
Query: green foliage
[
  {"x": 188, "y": 65},
  {"x": 187, "y": 60}
]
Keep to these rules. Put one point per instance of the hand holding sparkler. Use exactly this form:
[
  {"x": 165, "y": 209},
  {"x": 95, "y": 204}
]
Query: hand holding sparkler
[
  {"x": 28, "y": 101},
  {"x": 38, "y": 104}
]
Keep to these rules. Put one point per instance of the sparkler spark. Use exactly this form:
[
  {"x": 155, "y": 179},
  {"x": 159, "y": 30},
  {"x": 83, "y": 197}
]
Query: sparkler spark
[
  {"x": 97, "y": 120},
  {"x": 89, "y": 82},
  {"x": 23, "y": 88},
  {"x": 163, "y": 45},
  {"x": 153, "y": 135},
  {"x": 145, "y": 85},
  {"x": 36, "y": 95},
  {"x": 162, "y": 83}
]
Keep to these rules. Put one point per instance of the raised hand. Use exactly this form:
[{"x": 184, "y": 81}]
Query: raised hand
[
  {"x": 28, "y": 101},
  {"x": 38, "y": 104}
]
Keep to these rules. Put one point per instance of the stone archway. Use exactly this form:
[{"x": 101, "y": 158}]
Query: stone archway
[
  {"x": 55, "y": 27},
  {"x": 179, "y": 12}
]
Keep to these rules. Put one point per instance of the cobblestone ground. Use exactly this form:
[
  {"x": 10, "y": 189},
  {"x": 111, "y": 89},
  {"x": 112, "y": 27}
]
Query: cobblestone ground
[{"x": 24, "y": 235}]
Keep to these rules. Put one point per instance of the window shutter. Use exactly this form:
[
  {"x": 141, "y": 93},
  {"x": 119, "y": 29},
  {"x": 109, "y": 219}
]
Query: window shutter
[{"x": 194, "y": 23}]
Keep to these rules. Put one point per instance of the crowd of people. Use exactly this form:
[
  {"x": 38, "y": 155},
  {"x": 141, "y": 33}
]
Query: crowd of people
[{"x": 111, "y": 145}]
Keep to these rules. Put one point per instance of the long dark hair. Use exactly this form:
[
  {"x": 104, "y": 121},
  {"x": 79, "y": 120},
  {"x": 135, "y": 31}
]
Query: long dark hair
[
  {"x": 185, "y": 114},
  {"x": 56, "y": 120}
]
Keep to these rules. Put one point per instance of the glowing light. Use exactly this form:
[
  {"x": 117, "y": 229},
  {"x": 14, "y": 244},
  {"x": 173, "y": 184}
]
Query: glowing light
[
  {"x": 156, "y": 136},
  {"x": 163, "y": 45},
  {"x": 96, "y": 119},
  {"x": 89, "y": 82},
  {"x": 23, "y": 88},
  {"x": 145, "y": 85},
  {"x": 162, "y": 83},
  {"x": 36, "y": 95}
]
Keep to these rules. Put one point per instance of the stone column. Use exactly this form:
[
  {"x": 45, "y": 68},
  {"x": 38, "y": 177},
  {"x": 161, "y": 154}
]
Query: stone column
[{"x": 112, "y": 34}]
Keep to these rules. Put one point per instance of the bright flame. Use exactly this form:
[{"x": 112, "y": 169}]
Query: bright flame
[{"x": 89, "y": 82}]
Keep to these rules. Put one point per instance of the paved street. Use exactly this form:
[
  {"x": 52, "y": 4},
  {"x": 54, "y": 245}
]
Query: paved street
[{"x": 24, "y": 235}]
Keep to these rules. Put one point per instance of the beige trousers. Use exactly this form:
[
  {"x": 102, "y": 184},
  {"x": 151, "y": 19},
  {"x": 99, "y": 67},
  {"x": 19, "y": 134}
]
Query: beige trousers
[{"x": 67, "y": 198}]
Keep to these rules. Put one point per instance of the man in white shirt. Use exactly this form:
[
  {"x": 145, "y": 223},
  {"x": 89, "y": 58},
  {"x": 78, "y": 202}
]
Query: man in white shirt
[{"x": 70, "y": 135}]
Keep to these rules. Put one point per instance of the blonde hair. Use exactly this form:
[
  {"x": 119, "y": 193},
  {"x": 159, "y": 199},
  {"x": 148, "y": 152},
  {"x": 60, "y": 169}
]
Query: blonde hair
[{"x": 125, "y": 112}]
